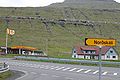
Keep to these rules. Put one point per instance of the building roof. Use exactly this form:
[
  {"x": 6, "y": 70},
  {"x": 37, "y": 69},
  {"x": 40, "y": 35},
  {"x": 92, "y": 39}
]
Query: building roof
[
  {"x": 24, "y": 47},
  {"x": 79, "y": 50}
]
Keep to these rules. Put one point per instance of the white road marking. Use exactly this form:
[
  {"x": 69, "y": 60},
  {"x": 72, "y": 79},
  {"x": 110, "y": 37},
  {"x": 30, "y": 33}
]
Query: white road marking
[
  {"x": 73, "y": 69},
  {"x": 55, "y": 76},
  {"x": 115, "y": 74},
  {"x": 33, "y": 73},
  {"x": 96, "y": 72},
  {"x": 22, "y": 65},
  {"x": 65, "y": 69},
  {"x": 46, "y": 67},
  {"x": 42, "y": 67},
  {"x": 60, "y": 68},
  {"x": 43, "y": 74},
  {"x": 20, "y": 78},
  {"x": 37, "y": 66},
  {"x": 54, "y": 67},
  {"x": 104, "y": 73},
  {"x": 87, "y": 71},
  {"x": 32, "y": 66},
  {"x": 80, "y": 70},
  {"x": 68, "y": 78}
]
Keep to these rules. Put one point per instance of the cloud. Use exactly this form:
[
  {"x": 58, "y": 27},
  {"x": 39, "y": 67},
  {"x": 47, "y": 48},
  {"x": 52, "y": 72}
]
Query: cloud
[
  {"x": 25, "y": 3},
  {"x": 117, "y": 1},
  {"x": 30, "y": 3}
]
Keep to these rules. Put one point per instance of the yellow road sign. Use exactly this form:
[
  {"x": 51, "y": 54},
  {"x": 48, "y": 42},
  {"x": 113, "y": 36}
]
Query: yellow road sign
[{"x": 99, "y": 42}]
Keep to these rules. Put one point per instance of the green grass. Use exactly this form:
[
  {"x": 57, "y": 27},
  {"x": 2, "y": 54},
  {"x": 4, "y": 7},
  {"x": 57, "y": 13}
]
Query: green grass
[
  {"x": 60, "y": 40},
  {"x": 112, "y": 60},
  {"x": 94, "y": 4},
  {"x": 9, "y": 55},
  {"x": 5, "y": 75},
  {"x": 74, "y": 63}
]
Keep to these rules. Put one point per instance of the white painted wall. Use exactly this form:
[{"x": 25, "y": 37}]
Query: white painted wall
[
  {"x": 87, "y": 57},
  {"x": 103, "y": 57},
  {"x": 109, "y": 55},
  {"x": 81, "y": 56}
]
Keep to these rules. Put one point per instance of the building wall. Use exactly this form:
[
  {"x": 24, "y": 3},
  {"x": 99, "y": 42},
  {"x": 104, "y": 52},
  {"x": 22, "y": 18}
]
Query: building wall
[
  {"x": 81, "y": 56},
  {"x": 96, "y": 57},
  {"x": 102, "y": 57},
  {"x": 74, "y": 53},
  {"x": 111, "y": 55},
  {"x": 87, "y": 57}
]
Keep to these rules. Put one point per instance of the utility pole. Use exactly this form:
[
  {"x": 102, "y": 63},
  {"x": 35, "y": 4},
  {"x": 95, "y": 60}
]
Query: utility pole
[
  {"x": 6, "y": 41},
  {"x": 6, "y": 36}
]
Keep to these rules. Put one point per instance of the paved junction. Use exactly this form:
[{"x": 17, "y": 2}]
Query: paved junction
[{"x": 54, "y": 71}]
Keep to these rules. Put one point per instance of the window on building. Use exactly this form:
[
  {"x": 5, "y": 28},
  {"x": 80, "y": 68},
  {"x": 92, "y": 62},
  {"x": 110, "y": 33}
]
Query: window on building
[
  {"x": 108, "y": 56},
  {"x": 114, "y": 56},
  {"x": 91, "y": 51},
  {"x": 75, "y": 56},
  {"x": 111, "y": 51},
  {"x": 86, "y": 51},
  {"x": 74, "y": 51}
]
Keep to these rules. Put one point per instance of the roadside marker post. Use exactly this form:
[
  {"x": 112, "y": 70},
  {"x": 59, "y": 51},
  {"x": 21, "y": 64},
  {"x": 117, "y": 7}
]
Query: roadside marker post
[{"x": 100, "y": 42}]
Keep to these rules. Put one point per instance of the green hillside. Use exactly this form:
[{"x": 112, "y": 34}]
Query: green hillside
[
  {"x": 94, "y": 4},
  {"x": 57, "y": 30}
]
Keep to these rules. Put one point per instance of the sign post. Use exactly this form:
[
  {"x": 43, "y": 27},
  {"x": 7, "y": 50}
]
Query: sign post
[
  {"x": 100, "y": 65},
  {"x": 6, "y": 42},
  {"x": 100, "y": 42}
]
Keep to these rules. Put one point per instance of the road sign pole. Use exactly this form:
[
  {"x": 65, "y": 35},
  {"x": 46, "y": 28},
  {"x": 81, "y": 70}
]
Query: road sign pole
[
  {"x": 6, "y": 42},
  {"x": 6, "y": 36},
  {"x": 100, "y": 42},
  {"x": 100, "y": 65}
]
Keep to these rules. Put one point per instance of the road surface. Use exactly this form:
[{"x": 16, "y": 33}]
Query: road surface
[{"x": 54, "y": 71}]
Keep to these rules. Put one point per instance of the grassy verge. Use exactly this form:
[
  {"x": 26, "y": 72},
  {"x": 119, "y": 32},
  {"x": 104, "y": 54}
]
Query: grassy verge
[
  {"x": 5, "y": 75},
  {"x": 112, "y": 60},
  {"x": 9, "y": 55},
  {"x": 74, "y": 63}
]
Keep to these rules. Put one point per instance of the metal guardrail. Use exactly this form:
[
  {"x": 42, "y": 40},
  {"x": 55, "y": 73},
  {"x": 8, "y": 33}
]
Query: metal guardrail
[
  {"x": 67, "y": 60},
  {"x": 4, "y": 68}
]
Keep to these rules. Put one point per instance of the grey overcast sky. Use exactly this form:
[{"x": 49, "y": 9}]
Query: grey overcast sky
[{"x": 29, "y": 3}]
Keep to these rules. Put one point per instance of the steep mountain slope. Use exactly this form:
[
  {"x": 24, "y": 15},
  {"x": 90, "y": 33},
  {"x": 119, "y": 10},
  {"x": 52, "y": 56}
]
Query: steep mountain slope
[
  {"x": 94, "y": 4},
  {"x": 57, "y": 29}
]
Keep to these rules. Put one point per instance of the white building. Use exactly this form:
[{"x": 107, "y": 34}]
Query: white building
[{"x": 108, "y": 53}]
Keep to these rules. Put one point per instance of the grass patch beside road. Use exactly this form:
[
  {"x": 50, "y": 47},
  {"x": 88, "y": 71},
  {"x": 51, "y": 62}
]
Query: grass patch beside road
[
  {"x": 9, "y": 55},
  {"x": 74, "y": 63},
  {"x": 5, "y": 75}
]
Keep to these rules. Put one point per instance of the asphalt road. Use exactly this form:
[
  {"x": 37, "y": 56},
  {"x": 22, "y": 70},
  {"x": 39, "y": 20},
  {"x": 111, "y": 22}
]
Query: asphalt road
[{"x": 53, "y": 71}]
